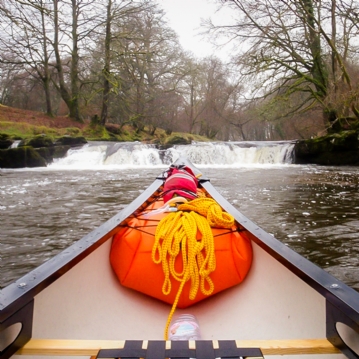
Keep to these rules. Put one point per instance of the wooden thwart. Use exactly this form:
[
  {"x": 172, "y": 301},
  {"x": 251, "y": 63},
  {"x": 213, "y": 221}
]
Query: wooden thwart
[
  {"x": 291, "y": 347},
  {"x": 57, "y": 347}
]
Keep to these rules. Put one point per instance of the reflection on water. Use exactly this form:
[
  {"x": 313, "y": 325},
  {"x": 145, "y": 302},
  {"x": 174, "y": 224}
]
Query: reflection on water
[
  {"x": 314, "y": 210},
  {"x": 43, "y": 212}
]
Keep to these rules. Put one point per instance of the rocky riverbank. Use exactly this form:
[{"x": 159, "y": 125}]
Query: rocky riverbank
[
  {"x": 337, "y": 149},
  {"x": 55, "y": 136},
  {"x": 38, "y": 151},
  {"x": 41, "y": 150},
  {"x": 44, "y": 138}
]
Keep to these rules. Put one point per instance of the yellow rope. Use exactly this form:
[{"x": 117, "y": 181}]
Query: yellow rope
[
  {"x": 177, "y": 233},
  {"x": 211, "y": 210}
]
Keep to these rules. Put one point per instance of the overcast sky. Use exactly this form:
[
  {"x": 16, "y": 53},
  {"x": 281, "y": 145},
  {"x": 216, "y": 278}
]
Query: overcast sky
[{"x": 184, "y": 18}]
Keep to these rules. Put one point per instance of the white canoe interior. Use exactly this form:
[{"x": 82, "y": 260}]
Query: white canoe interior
[
  {"x": 89, "y": 303},
  {"x": 85, "y": 308}
]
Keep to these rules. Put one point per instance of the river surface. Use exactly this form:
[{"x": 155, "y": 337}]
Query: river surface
[{"x": 314, "y": 210}]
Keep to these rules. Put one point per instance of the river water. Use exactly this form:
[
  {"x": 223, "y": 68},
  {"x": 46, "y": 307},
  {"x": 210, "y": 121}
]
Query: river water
[{"x": 312, "y": 209}]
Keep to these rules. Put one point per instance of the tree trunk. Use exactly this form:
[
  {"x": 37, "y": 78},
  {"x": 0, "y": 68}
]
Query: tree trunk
[
  {"x": 74, "y": 107},
  {"x": 46, "y": 83},
  {"x": 334, "y": 41},
  {"x": 46, "y": 78},
  {"x": 318, "y": 71},
  {"x": 106, "y": 69},
  {"x": 191, "y": 110},
  {"x": 71, "y": 100}
]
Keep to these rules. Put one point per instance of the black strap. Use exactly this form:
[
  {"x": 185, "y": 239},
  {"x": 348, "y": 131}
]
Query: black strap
[{"x": 156, "y": 349}]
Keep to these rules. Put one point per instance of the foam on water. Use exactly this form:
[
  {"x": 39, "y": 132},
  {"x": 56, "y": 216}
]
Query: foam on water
[{"x": 203, "y": 154}]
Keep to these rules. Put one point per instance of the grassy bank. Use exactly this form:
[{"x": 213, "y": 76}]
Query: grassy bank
[{"x": 22, "y": 124}]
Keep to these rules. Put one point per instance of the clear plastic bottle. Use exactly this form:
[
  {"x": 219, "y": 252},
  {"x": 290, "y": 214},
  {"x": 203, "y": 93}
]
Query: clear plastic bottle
[{"x": 184, "y": 327}]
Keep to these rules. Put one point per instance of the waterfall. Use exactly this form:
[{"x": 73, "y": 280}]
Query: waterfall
[
  {"x": 136, "y": 154},
  {"x": 15, "y": 144}
]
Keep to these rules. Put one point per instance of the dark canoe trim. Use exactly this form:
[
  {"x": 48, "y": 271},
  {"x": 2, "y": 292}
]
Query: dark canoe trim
[{"x": 22, "y": 335}]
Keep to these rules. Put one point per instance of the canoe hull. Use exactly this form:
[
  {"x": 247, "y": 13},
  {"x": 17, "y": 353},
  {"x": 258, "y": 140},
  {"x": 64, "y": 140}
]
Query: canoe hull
[
  {"x": 76, "y": 295},
  {"x": 89, "y": 303}
]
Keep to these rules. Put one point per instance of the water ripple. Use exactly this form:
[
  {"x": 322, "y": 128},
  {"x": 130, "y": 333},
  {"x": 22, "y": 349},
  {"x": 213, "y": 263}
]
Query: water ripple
[{"x": 311, "y": 209}]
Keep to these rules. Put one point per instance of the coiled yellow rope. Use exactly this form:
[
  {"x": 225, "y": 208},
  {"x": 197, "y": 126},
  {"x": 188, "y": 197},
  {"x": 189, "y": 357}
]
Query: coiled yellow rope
[
  {"x": 211, "y": 210},
  {"x": 177, "y": 233}
]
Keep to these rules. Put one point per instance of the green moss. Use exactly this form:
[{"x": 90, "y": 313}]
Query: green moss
[
  {"x": 39, "y": 130},
  {"x": 178, "y": 140},
  {"x": 15, "y": 129},
  {"x": 21, "y": 157},
  {"x": 184, "y": 138},
  {"x": 96, "y": 133},
  {"x": 22, "y": 130},
  {"x": 334, "y": 149},
  {"x": 70, "y": 141},
  {"x": 72, "y": 131},
  {"x": 38, "y": 141}
]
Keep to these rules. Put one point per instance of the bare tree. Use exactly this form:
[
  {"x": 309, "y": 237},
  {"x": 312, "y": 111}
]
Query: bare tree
[
  {"x": 191, "y": 88},
  {"x": 107, "y": 63},
  {"x": 290, "y": 46},
  {"x": 143, "y": 56},
  {"x": 24, "y": 41},
  {"x": 75, "y": 23},
  {"x": 115, "y": 11}
]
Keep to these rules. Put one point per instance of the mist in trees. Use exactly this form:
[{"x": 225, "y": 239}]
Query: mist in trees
[{"x": 292, "y": 71}]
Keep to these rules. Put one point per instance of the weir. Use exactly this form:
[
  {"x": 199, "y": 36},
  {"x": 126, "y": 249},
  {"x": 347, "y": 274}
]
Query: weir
[{"x": 136, "y": 154}]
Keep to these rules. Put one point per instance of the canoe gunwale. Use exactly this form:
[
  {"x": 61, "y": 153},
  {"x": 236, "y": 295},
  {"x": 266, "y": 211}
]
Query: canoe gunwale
[
  {"x": 23, "y": 290},
  {"x": 342, "y": 302},
  {"x": 17, "y": 299},
  {"x": 328, "y": 286}
]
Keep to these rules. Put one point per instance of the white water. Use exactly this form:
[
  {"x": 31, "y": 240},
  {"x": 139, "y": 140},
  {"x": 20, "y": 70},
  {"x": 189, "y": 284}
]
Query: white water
[{"x": 206, "y": 154}]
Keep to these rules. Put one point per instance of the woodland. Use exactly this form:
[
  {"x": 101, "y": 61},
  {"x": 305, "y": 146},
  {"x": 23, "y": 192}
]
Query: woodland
[{"x": 292, "y": 73}]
